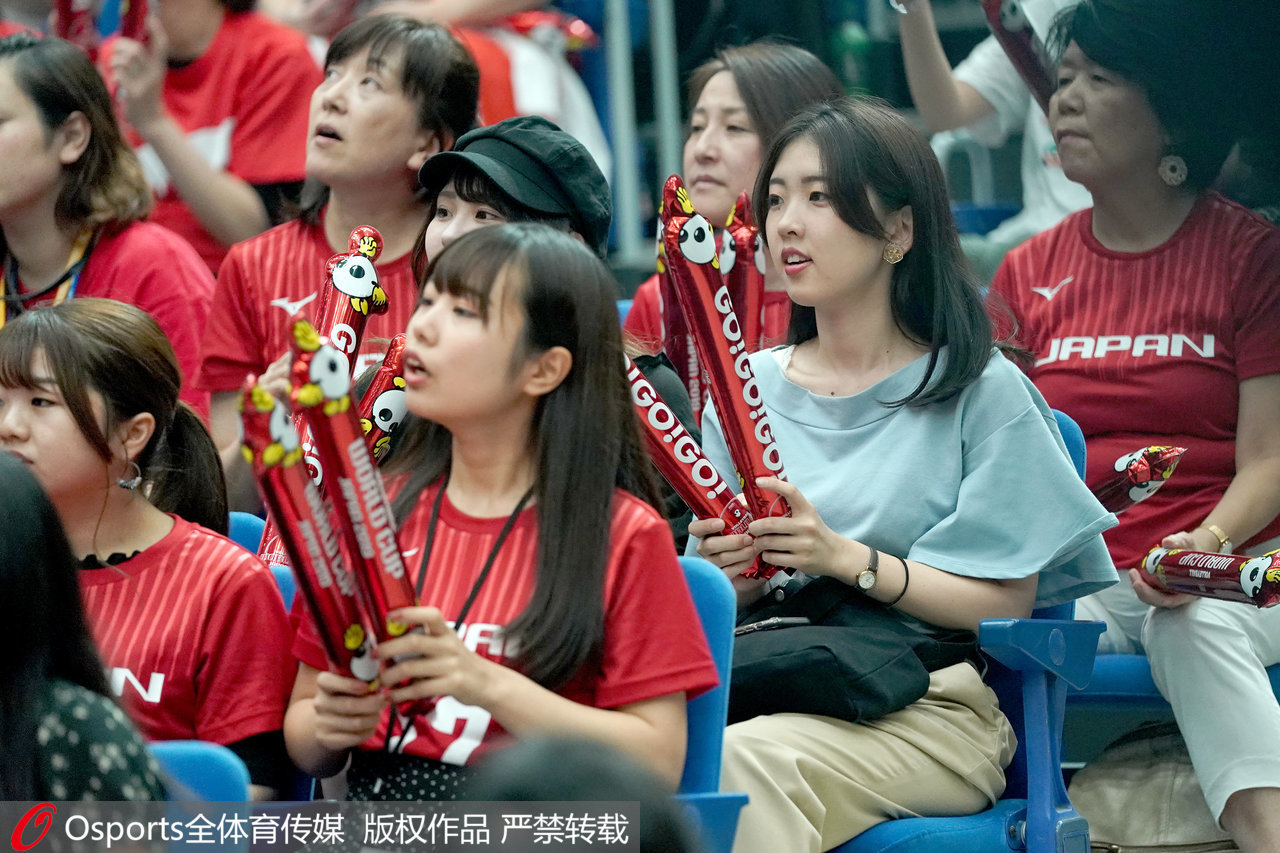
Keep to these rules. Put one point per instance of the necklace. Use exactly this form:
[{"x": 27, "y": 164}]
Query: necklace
[{"x": 65, "y": 285}]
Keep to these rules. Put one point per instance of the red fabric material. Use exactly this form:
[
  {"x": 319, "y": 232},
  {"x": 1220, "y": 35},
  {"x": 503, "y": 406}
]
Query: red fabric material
[
  {"x": 264, "y": 280},
  {"x": 244, "y": 105},
  {"x": 198, "y": 624},
  {"x": 644, "y": 320},
  {"x": 497, "y": 96},
  {"x": 654, "y": 644},
  {"x": 156, "y": 270},
  {"x": 1150, "y": 348}
]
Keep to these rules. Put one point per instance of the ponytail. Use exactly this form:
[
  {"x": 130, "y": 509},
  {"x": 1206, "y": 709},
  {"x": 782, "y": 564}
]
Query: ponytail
[{"x": 185, "y": 473}]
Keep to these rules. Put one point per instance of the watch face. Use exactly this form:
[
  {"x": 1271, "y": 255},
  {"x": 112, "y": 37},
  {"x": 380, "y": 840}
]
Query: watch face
[{"x": 866, "y": 579}]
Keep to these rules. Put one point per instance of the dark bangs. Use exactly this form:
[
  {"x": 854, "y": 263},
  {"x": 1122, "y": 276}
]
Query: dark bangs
[
  {"x": 46, "y": 332},
  {"x": 471, "y": 268}
]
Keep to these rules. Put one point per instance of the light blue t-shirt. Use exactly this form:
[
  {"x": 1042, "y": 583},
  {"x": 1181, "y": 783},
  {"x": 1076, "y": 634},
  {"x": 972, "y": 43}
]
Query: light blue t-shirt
[{"x": 978, "y": 485}]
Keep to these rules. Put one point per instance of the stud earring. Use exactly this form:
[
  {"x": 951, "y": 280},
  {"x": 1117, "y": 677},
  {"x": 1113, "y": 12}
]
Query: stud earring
[
  {"x": 134, "y": 481},
  {"x": 892, "y": 253},
  {"x": 1173, "y": 170}
]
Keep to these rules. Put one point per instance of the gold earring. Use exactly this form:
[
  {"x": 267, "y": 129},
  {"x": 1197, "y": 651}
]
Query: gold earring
[{"x": 892, "y": 253}]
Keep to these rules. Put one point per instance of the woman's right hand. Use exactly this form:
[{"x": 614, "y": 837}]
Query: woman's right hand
[
  {"x": 733, "y": 554},
  {"x": 347, "y": 711}
]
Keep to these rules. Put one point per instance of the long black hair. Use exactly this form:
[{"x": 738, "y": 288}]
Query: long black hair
[
  {"x": 42, "y": 624},
  {"x": 120, "y": 352},
  {"x": 864, "y": 144},
  {"x": 585, "y": 437}
]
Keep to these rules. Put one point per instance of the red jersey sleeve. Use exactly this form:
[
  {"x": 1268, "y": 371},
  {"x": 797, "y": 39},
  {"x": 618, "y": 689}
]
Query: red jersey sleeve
[
  {"x": 644, "y": 320},
  {"x": 233, "y": 339},
  {"x": 653, "y": 640},
  {"x": 246, "y": 672},
  {"x": 1256, "y": 304}
]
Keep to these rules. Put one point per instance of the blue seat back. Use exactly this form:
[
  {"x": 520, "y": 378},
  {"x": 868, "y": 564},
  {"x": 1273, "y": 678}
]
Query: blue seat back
[
  {"x": 716, "y": 603},
  {"x": 209, "y": 771},
  {"x": 246, "y": 530}
]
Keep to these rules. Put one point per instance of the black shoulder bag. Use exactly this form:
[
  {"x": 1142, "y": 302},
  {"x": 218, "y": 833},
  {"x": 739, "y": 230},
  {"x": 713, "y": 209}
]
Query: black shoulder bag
[{"x": 855, "y": 660}]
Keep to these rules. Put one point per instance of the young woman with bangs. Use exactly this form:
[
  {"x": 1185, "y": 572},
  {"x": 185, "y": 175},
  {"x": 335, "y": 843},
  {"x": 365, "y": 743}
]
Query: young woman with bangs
[{"x": 551, "y": 598}]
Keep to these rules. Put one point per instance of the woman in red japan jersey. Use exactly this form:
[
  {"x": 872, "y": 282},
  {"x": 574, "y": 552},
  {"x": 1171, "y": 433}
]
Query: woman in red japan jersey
[
  {"x": 1151, "y": 318},
  {"x": 74, "y": 203},
  {"x": 551, "y": 599},
  {"x": 190, "y": 626}
]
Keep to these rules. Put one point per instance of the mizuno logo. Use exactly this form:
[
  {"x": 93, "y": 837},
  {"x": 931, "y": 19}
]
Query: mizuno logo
[
  {"x": 292, "y": 307},
  {"x": 1050, "y": 292}
]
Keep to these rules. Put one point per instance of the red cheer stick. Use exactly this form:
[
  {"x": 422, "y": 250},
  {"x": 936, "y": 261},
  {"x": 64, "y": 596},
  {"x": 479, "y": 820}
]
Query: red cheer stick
[
  {"x": 322, "y": 395},
  {"x": 681, "y": 461},
  {"x": 304, "y": 525},
  {"x": 677, "y": 342},
  {"x": 350, "y": 293},
  {"x": 1137, "y": 476},
  {"x": 1011, "y": 28},
  {"x": 383, "y": 408},
  {"x": 704, "y": 297},
  {"x": 73, "y": 21},
  {"x": 742, "y": 265},
  {"x": 1230, "y": 577},
  {"x": 133, "y": 20}
]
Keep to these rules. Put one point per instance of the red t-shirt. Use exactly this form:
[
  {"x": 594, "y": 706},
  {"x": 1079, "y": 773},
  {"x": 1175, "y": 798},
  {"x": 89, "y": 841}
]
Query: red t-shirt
[
  {"x": 8, "y": 28},
  {"x": 243, "y": 105},
  {"x": 265, "y": 282},
  {"x": 653, "y": 641},
  {"x": 156, "y": 270},
  {"x": 1150, "y": 348},
  {"x": 644, "y": 320},
  {"x": 195, "y": 637}
]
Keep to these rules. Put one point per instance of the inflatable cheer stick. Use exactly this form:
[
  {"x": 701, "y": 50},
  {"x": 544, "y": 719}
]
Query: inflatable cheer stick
[
  {"x": 704, "y": 297},
  {"x": 1230, "y": 577},
  {"x": 303, "y": 522},
  {"x": 322, "y": 395},
  {"x": 742, "y": 265},
  {"x": 74, "y": 21},
  {"x": 350, "y": 293},
  {"x": 1011, "y": 28},
  {"x": 677, "y": 342},
  {"x": 680, "y": 460},
  {"x": 1137, "y": 476},
  {"x": 382, "y": 408}
]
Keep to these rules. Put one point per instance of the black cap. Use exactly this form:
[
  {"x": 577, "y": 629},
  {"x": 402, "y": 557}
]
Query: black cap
[{"x": 537, "y": 164}]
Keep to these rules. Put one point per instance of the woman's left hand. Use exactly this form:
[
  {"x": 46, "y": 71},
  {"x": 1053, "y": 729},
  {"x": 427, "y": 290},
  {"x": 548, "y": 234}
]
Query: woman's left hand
[
  {"x": 801, "y": 540},
  {"x": 138, "y": 70},
  {"x": 434, "y": 660}
]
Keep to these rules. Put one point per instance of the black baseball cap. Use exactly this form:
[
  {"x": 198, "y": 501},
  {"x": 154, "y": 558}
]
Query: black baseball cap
[{"x": 540, "y": 166}]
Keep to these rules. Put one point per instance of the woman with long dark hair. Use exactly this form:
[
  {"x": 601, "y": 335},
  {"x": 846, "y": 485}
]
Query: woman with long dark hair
[
  {"x": 552, "y": 601},
  {"x": 55, "y": 708},
  {"x": 191, "y": 626},
  {"x": 906, "y": 437}
]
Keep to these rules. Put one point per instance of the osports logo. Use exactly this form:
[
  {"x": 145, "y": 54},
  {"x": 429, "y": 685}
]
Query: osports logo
[{"x": 42, "y": 816}]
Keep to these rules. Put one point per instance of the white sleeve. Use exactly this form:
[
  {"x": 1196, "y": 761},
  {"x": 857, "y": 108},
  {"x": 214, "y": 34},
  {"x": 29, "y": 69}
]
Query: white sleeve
[{"x": 988, "y": 70}]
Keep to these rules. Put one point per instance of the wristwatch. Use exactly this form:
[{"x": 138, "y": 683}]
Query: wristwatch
[{"x": 865, "y": 580}]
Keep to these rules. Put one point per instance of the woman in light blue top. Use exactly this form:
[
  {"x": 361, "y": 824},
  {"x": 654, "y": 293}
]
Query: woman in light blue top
[{"x": 923, "y": 470}]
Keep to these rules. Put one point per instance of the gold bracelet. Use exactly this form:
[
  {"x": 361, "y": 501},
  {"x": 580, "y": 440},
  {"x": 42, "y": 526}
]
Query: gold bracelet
[{"x": 1224, "y": 541}]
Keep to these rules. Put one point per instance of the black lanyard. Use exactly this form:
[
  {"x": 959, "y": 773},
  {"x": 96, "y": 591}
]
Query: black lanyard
[
  {"x": 489, "y": 561},
  {"x": 475, "y": 588},
  {"x": 65, "y": 285}
]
